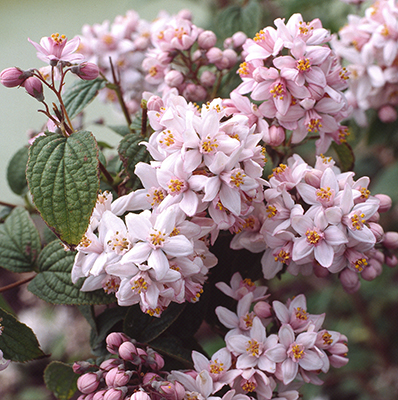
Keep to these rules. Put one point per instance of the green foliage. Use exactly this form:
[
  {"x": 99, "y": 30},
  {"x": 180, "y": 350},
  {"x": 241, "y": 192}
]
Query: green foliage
[
  {"x": 81, "y": 94},
  {"x": 53, "y": 282},
  {"x": 121, "y": 130},
  {"x": 16, "y": 176},
  {"x": 63, "y": 178},
  {"x": 17, "y": 341},
  {"x": 19, "y": 242},
  {"x": 387, "y": 182},
  {"x": 246, "y": 18},
  {"x": 61, "y": 380},
  {"x": 345, "y": 155},
  {"x": 131, "y": 152}
]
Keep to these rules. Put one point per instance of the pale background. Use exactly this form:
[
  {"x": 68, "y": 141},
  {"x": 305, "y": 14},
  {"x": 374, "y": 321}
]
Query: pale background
[{"x": 34, "y": 19}]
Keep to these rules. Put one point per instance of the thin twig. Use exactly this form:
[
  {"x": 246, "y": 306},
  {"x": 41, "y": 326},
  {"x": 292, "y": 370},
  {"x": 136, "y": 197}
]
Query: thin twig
[
  {"x": 16, "y": 284},
  {"x": 3, "y": 203}
]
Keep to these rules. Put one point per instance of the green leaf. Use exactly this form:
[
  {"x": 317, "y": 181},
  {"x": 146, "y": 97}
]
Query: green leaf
[
  {"x": 81, "y": 94},
  {"x": 131, "y": 152},
  {"x": 19, "y": 242},
  {"x": 63, "y": 178},
  {"x": 386, "y": 183},
  {"x": 16, "y": 176},
  {"x": 17, "y": 341},
  {"x": 144, "y": 328},
  {"x": 61, "y": 380},
  {"x": 53, "y": 282},
  {"x": 121, "y": 130},
  {"x": 346, "y": 156},
  {"x": 173, "y": 347}
]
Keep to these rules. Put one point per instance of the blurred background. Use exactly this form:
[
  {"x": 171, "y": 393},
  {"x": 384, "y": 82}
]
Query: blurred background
[{"x": 368, "y": 318}]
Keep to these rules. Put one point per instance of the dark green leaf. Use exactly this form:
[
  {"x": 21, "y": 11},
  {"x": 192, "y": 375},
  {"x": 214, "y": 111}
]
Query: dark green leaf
[
  {"x": 16, "y": 176},
  {"x": 53, "y": 282},
  {"x": 61, "y": 380},
  {"x": 63, "y": 179},
  {"x": 131, "y": 152},
  {"x": 19, "y": 242},
  {"x": 145, "y": 328},
  {"x": 346, "y": 156},
  {"x": 173, "y": 347},
  {"x": 17, "y": 341},
  {"x": 81, "y": 94},
  {"x": 387, "y": 182},
  {"x": 121, "y": 130}
]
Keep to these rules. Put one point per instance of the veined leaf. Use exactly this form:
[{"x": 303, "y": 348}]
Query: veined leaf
[
  {"x": 61, "y": 380},
  {"x": 16, "y": 176}
]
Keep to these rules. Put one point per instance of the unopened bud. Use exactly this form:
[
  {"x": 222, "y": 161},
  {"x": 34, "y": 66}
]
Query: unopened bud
[
  {"x": 34, "y": 87},
  {"x": 208, "y": 78},
  {"x": 115, "y": 394},
  {"x": 321, "y": 272},
  {"x": 239, "y": 38},
  {"x": 369, "y": 273},
  {"x": 13, "y": 77},
  {"x": 377, "y": 230},
  {"x": 194, "y": 92},
  {"x": 127, "y": 351},
  {"x": 185, "y": 14},
  {"x": 313, "y": 178},
  {"x": 207, "y": 39},
  {"x": 385, "y": 202},
  {"x": 117, "y": 377},
  {"x": 88, "y": 383},
  {"x": 214, "y": 55},
  {"x": 387, "y": 114},
  {"x": 231, "y": 56},
  {"x": 141, "y": 395},
  {"x": 275, "y": 136},
  {"x": 390, "y": 240},
  {"x": 262, "y": 309},
  {"x": 350, "y": 280},
  {"x": 174, "y": 78},
  {"x": 114, "y": 340},
  {"x": 391, "y": 261},
  {"x": 86, "y": 71}
]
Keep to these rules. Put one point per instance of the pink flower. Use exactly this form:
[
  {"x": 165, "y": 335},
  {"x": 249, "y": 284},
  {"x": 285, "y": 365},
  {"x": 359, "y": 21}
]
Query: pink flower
[
  {"x": 13, "y": 77},
  {"x": 56, "y": 48}
]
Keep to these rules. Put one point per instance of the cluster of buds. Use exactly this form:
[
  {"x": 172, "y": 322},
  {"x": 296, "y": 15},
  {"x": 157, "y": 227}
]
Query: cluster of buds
[
  {"x": 298, "y": 80},
  {"x": 369, "y": 47},
  {"x": 131, "y": 374},
  {"x": 320, "y": 220},
  {"x": 185, "y": 57}
]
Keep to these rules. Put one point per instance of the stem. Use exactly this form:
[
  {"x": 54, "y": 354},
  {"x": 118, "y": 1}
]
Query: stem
[
  {"x": 3, "y": 203},
  {"x": 16, "y": 284},
  {"x": 107, "y": 175},
  {"x": 119, "y": 94},
  {"x": 144, "y": 119}
]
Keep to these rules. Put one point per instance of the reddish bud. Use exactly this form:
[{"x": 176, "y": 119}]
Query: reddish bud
[
  {"x": 275, "y": 136},
  {"x": 86, "y": 71},
  {"x": 390, "y": 240},
  {"x": 114, "y": 340},
  {"x": 141, "y": 395},
  {"x": 194, "y": 92},
  {"x": 231, "y": 56},
  {"x": 350, "y": 280},
  {"x": 115, "y": 394},
  {"x": 13, "y": 77},
  {"x": 174, "y": 78},
  {"x": 391, "y": 261},
  {"x": 385, "y": 202},
  {"x": 127, "y": 351},
  {"x": 239, "y": 38},
  {"x": 262, "y": 309},
  {"x": 214, "y": 55},
  {"x": 88, "y": 383},
  {"x": 387, "y": 114},
  {"x": 208, "y": 78},
  {"x": 34, "y": 87},
  {"x": 377, "y": 230}
]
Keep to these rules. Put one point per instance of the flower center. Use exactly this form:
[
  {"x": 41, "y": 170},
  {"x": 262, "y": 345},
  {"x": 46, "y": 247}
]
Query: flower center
[
  {"x": 314, "y": 125},
  {"x": 140, "y": 285},
  {"x": 364, "y": 193},
  {"x": 85, "y": 242},
  {"x": 324, "y": 193},
  {"x": 237, "y": 179},
  {"x": 167, "y": 138},
  {"x": 157, "y": 238},
  {"x": 155, "y": 196},
  {"x": 360, "y": 264},
  {"x": 283, "y": 257},
  {"x": 249, "y": 386},
  {"x": 313, "y": 237},
  {"x": 357, "y": 221},
  {"x": 176, "y": 186},
  {"x": 209, "y": 145},
  {"x": 327, "y": 338},
  {"x": 301, "y": 314},
  {"x": 253, "y": 348},
  {"x": 271, "y": 210},
  {"x": 297, "y": 352},
  {"x": 278, "y": 91},
  {"x": 303, "y": 65},
  {"x": 153, "y": 71},
  {"x": 111, "y": 285},
  {"x": 57, "y": 38},
  {"x": 243, "y": 69},
  {"x": 216, "y": 367},
  {"x": 278, "y": 170},
  {"x": 118, "y": 243}
]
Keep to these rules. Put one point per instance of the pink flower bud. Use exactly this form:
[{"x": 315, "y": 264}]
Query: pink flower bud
[
  {"x": 80, "y": 367},
  {"x": 350, "y": 280},
  {"x": 385, "y": 202},
  {"x": 390, "y": 240},
  {"x": 337, "y": 361},
  {"x": 114, "y": 340},
  {"x": 86, "y": 71},
  {"x": 115, "y": 394},
  {"x": 321, "y": 272},
  {"x": 107, "y": 365},
  {"x": 239, "y": 38},
  {"x": 194, "y": 92},
  {"x": 154, "y": 103},
  {"x": 99, "y": 395},
  {"x": 149, "y": 377},
  {"x": 185, "y": 14},
  {"x": 197, "y": 56},
  {"x": 127, "y": 351},
  {"x": 376, "y": 265},
  {"x": 34, "y": 87},
  {"x": 207, "y": 39},
  {"x": 391, "y": 261},
  {"x": 275, "y": 136},
  {"x": 174, "y": 78},
  {"x": 262, "y": 309},
  {"x": 222, "y": 64},
  {"x": 214, "y": 54},
  {"x": 387, "y": 114},
  {"x": 231, "y": 56},
  {"x": 208, "y": 78},
  {"x": 374, "y": 218},
  {"x": 172, "y": 391},
  {"x": 228, "y": 43},
  {"x": 13, "y": 77},
  {"x": 377, "y": 230},
  {"x": 142, "y": 43},
  {"x": 369, "y": 273},
  {"x": 88, "y": 383},
  {"x": 117, "y": 377},
  {"x": 313, "y": 178},
  {"x": 141, "y": 395}
]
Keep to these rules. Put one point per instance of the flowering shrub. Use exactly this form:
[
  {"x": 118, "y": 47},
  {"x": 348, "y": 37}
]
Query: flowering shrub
[{"x": 205, "y": 189}]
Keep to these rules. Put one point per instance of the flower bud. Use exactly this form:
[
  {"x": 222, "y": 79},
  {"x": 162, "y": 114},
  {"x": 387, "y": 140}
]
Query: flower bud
[
  {"x": 99, "y": 395},
  {"x": 172, "y": 391},
  {"x": 377, "y": 230},
  {"x": 117, "y": 377},
  {"x": 391, "y": 261},
  {"x": 127, "y": 351},
  {"x": 350, "y": 280},
  {"x": 275, "y": 136},
  {"x": 194, "y": 92},
  {"x": 13, "y": 77},
  {"x": 374, "y": 218},
  {"x": 321, "y": 272},
  {"x": 114, "y": 340},
  {"x": 208, "y": 78},
  {"x": 86, "y": 71},
  {"x": 214, "y": 55},
  {"x": 231, "y": 56},
  {"x": 262, "y": 309},
  {"x": 207, "y": 39},
  {"x": 142, "y": 43},
  {"x": 34, "y": 87},
  {"x": 313, "y": 177},
  {"x": 107, "y": 365},
  {"x": 174, "y": 78},
  {"x": 239, "y": 38},
  {"x": 80, "y": 367},
  {"x": 154, "y": 103},
  {"x": 141, "y": 395},
  {"x": 222, "y": 64},
  {"x": 185, "y": 14},
  {"x": 369, "y": 273},
  {"x": 390, "y": 240},
  {"x": 387, "y": 114},
  {"x": 88, "y": 383},
  {"x": 115, "y": 394},
  {"x": 385, "y": 202}
]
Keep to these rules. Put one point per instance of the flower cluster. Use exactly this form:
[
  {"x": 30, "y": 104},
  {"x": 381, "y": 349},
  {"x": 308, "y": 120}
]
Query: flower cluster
[
  {"x": 298, "y": 80},
  {"x": 319, "y": 219},
  {"x": 369, "y": 47},
  {"x": 252, "y": 361}
]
